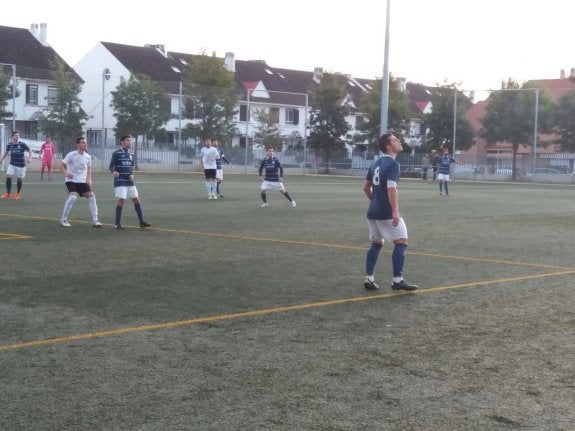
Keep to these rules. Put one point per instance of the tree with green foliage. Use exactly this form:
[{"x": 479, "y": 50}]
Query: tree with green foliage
[
  {"x": 510, "y": 116},
  {"x": 210, "y": 99},
  {"x": 328, "y": 126},
  {"x": 141, "y": 108},
  {"x": 5, "y": 94},
  {"x": 267, "y": 130},
  {"x": 398, "y": 112},
  {"x": 64, "y": 116},
  {"x": 439, "y": 122},
  {"x": 565, "y": 120}
]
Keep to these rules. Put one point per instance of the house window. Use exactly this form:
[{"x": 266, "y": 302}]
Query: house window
[
  {"x": 359, "y": 121},
  {"x": 31, "y": 94},
  {"x": 274, "y": 115},
  {"x": 52, "y": 96},
  {"x": 244, "y": 113},
  {"x": 292, "y": 116}
]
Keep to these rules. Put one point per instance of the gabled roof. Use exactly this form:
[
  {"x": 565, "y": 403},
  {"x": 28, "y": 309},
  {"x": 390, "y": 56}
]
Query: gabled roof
[
  {"x": 32, "y": 59},
  {"x": 556, "y": 87},
  {"x": 162, "y": 69}
]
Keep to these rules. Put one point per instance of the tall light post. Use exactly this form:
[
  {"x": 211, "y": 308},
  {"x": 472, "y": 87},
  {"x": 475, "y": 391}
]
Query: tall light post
[
  {"x": 385, "y": 79},
  {"x": 106, "y": 75}
]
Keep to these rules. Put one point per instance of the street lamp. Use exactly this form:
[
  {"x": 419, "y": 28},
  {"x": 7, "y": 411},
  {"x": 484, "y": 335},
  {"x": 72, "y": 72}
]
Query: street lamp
[
  {"x": 106, "y": 74},
  {"x": 385, "y": 79}
]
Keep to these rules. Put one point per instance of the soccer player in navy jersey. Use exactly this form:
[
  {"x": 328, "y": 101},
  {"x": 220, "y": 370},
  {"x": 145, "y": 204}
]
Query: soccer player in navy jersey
[
  {"x": 17, "y": 165},
  {"x": 219, "y": 170},
  {"x": 444, "y": 163},
  {"x": 122, "y": 167},
  {"x": 273, "y": 178},
  {"x": 383, "y": 217}
]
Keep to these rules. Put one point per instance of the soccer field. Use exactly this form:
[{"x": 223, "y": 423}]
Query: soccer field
[{"x": 228, "y": 316}]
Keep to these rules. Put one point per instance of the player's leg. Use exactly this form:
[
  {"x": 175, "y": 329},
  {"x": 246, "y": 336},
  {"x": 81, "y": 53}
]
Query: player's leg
[
  {"x": 445, "y": 181},
  {"x": 70, "y": 200},
  {"x": 263, "y": 191},
  {"x": 284, "y": 192},
  {"x": 133, "y": 193},
  {"x": 219, "y": 179},
  {"x": 20, "y": 174},
  {"x": 89, "y": 194},
  {"x": 121, "y": 194},
  {"x": 372, "y": 255},
  {"x": 9, "y": 173},
  {"x": 398, "y": 234}
]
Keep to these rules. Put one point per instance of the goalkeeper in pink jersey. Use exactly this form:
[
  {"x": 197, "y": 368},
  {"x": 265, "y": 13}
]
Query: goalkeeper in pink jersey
[{"x": 47, "y": 152}]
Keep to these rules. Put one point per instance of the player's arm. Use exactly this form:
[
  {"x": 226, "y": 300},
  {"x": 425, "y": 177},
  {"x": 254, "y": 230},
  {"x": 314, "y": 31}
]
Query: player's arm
[
  {"x": 367, "y": 188},
  {"x": 393, "y": 201},
  {"x": 112, "y": 166},
  {"x": 261, "y": 168},
  {"x": 29, "y": 154},
  {"x": 64, "y": 170},
  {"x": 89, "y": 175},
  {"x": 226, "y": 160}
]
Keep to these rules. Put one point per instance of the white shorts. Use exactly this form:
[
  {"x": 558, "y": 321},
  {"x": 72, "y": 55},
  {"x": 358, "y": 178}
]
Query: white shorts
[
  {"x": 276, "y": 185},
  {"x": 380, "y": 230},
  {"x": 126, "y": 192},
  {"x": 16, "y": 171},
  {"x": 220, "y": 174},
  {"x": 443, "y": 177}
]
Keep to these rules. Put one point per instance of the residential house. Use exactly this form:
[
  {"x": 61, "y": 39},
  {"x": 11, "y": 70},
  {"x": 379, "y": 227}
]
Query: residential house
[
  {"x": 27, "y": 56},
  {"x": 497, "y": 156}
]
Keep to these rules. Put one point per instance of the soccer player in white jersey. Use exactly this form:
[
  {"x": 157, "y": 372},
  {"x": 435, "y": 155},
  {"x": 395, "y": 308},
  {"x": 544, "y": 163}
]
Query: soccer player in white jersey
[
  {"x": 383, "y": 218},
  {"x": 209, "y": 156},
  {"x": 77, "y": 170}
]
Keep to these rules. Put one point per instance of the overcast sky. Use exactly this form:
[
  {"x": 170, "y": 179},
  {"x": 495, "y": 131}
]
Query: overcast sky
[{"x": 475, "y": 43}]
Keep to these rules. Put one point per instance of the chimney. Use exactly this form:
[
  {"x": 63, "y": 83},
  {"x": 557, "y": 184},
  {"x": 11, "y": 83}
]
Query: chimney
[
  {"x": 158, "y": 47},
  {"x": 572, "y": 74},
  {"x": 402, "y": 84},
  {"x": 43, "y": 34},
  {"x": 230, "y": 61},
  {"x": 34, "y": 30},
  {"x": 562, "y": 74},
  {"x": 318, "y": 74},
  {"x": 472, "y": 96}
]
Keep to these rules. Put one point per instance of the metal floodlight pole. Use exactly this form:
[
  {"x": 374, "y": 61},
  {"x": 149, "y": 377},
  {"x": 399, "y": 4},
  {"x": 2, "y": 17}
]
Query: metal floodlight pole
[
  {"x": 535, "y": 131},
  {"x": 305, "y": 132},
  {"x": 454, "y": 119},
  {"x": 106, "y": 74},
  {"x": 385, "y": 79},
  {"x": 247, "y": 128},
  {"x": 179, "y": 124},
  {"x": 13, "y": 97}
]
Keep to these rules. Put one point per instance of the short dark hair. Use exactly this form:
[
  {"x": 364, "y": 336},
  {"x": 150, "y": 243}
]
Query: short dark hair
[
  {"x": 15, "y": 131},
  {"x": 79, "y": 138},
  {"x": 383, "y": 141},
  {"x": 123, "y": 138}
]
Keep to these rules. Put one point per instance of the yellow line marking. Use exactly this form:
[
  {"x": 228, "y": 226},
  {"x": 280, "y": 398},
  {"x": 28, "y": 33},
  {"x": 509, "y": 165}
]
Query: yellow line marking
[
  {"x": 316, "y": 244},
  {"x": 269, "y": 311},
  {"x": 13, "y": 236}
]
